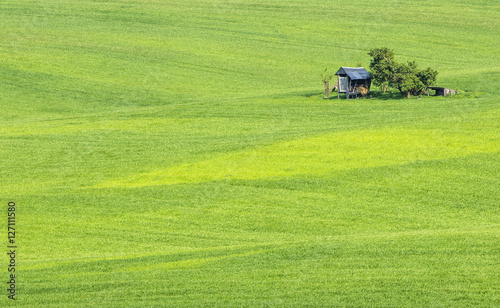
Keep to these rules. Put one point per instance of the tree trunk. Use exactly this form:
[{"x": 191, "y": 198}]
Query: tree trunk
[
  {"x": 401, "y": 91},
  {"x": 327, "y": 89}
]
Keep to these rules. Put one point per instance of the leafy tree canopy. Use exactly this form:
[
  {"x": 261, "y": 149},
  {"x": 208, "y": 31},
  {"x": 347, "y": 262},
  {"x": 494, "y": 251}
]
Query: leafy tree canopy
[
  {"x": 408, "y": 78},
  {"x": 382, "y": 66}
]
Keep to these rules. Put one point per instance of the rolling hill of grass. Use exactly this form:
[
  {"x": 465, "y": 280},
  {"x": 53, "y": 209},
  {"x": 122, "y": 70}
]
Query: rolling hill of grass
[{"x": 180, "y": 154}]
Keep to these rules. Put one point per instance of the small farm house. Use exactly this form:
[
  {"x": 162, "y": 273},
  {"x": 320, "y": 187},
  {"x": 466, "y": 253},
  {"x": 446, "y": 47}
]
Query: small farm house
[{"x": 351, "y": 79}]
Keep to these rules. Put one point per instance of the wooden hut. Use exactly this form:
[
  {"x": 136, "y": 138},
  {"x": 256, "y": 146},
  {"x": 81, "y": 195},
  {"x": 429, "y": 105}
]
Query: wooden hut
[{"x": 350, "y": 78}]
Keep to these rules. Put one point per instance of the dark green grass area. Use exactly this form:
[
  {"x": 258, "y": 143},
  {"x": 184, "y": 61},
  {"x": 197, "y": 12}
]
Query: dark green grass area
[{"x": 181, "y": 154}]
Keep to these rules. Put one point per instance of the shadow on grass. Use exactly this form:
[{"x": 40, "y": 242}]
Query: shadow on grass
[
  {"x": 390, "y": 95},
  {"x": 394, "y": 95},
  {"x": 371, "y": 95},
  {"x": 386, "y": 95}
]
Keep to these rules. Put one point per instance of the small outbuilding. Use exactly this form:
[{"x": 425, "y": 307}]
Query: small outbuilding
[
  {"x": 350, "y": 79},
  {"x": 442, "y": 91}
]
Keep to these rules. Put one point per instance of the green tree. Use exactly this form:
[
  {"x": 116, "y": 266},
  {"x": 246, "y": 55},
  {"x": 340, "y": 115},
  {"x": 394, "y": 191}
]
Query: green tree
[
  {"x": 428, "y": 77},
  {"x": 408, "y": 78},
  {"x": 382, "y": 66},
  {"x": 405, "y": 79}
]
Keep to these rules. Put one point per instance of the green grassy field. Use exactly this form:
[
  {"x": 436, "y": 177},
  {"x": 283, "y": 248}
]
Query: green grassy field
[{"x": 181, "y": 154}]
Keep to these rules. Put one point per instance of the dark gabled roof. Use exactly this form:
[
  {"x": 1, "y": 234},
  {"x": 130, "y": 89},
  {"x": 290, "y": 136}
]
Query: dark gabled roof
[{"x": 355, "y": 73}]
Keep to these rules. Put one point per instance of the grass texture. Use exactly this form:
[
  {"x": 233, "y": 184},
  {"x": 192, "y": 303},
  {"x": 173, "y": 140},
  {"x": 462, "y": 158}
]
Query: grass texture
[{"x": 181, "y": 154}]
